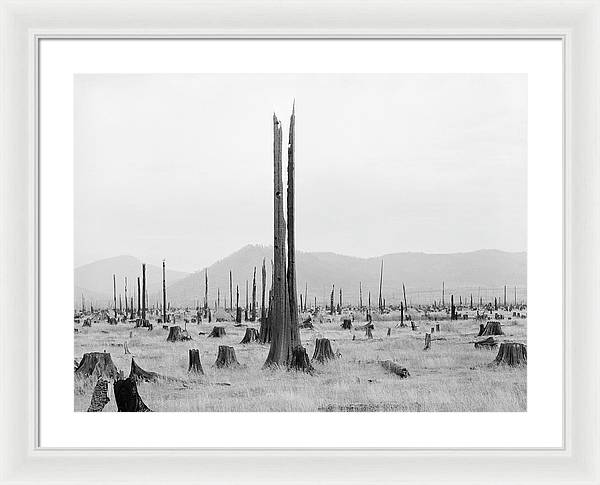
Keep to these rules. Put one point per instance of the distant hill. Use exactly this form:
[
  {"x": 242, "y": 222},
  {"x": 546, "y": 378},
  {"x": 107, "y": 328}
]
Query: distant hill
[
  {"x": 421, "y": 273},
  {"x": 95, "y": 280}
]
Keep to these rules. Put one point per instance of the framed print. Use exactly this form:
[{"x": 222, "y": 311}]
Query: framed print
[{"x": 234, "y": 242}]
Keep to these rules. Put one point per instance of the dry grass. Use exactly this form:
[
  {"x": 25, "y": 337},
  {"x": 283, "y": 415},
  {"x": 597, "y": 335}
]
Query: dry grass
[{"x": 452, "y": 376}]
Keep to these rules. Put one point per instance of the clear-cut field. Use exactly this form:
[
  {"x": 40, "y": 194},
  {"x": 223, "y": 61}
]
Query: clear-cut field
[{"x": 452, "y": 376}]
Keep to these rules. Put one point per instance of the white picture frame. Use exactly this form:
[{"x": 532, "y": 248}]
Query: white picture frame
[{"x": 23, "y": 24}]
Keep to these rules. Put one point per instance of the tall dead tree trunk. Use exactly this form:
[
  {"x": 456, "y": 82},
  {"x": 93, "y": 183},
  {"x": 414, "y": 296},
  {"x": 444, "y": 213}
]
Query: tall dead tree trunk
[
  {"x": 139, "y": 292},
  {"x": 360, "y": 303},
  {"x": 126, "y": 303},
  {"x": 238, "y": 310},
  {"x": 230, "y": 291},
  {"x": 246, "y": 303},
  {"x": 291, "y": 235},
  {"x": 380, "y": 287},
  {"x": 164, "y": 292},
  {"x": 253, "y": 313},
  {"x": 206, "y": 293},
  {"x": 144, "y": 292},
  {"x": 452, "y": 308},
  {"x": 305, "y": 296},
  {"x": 404, "y": 293},
  {"x": 331, "y": 307},
  {"x": 115, "y": 296}
]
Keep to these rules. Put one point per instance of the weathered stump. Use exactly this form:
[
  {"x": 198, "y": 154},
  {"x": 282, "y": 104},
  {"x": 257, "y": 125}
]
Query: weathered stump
[
  {"x": 126, "y": 347},
  {"x": 511, "y": 353},
  {"x": 251, "y": 335},
  {"x": 177, "y": 335},
  {"x": 128, "y": 398},
  {"x": 97, "y": 364},
  {"x": 413, "y": 326},
  {"x": 195, "y": 365},
  {"x": 99, "y": 396},
  {"x": 217, "y": 332},
  {"x": 140, "y": 374},
  {"x": 346, "y": 324},
  {"x": 395, "y": 368},
  {"x": 427, "y": 341},
  {"x": 226, "y": 357},
  {"x": 369, "y": 332},
  {"x": 300, "y": 361},
  {"x": 488, "y": 343},
  {"x": 491, "y": 328},
  {"x": 389, "y": 332},
  {"x": 87, "y": 322},
  {"x": 323, "y": 351}
]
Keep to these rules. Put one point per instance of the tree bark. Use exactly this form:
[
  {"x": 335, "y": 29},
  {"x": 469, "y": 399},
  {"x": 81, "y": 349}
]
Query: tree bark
[
  {"x": 127, "y": 396},
  {"x": 99, "y": 396}
]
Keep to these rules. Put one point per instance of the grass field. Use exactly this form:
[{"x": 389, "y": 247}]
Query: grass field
[{"x": 452, "y": 376}]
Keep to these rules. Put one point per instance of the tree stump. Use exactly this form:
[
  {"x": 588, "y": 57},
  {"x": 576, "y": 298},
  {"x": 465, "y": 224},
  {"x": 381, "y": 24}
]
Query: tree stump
[
  {"x": 87, "y": 322},
  {"x": 177, "y": 335},
  {"x": 307, "y": 323},
  {"x": 238, "y": 315},
  {"x": 128, "y": 398},
  {"x": 389, "y": 332},
  {"x": 140, "y": 374},
  {"x": 195, "y": 365},
  {"x": 226, "y": 357},
  {"x": 427, "y": 341},
  {"x": 395, "y": 369},
  {"x": 323, "y": 351},
  {"x": 491, "y": 328},
  {"x": 251, "y": 335},
  {"x": 346, "y": 324},
  {"x": 300, "y": 361},
  {"x": 97, "y": 364},
  {"x": 511, "y": 353},
  {"x": 126, "y": 347},
  {"x": 217, "y": 332},
  {"x": 489, "y": 343},
  {"x": 99, "y": 396},
  {"x": 413, "y": 326},
  {"x": 437, "y": 327},
  {"x": 369, "y": 332}
]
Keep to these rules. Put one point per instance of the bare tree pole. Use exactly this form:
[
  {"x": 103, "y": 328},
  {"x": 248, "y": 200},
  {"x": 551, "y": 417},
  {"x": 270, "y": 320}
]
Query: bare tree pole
[
  {"x": 139, "y": 292},
  {"x": 369, "y": 301},
  {"x": 305, "y": 295},
  {"x": 360, "y": 303},
  {"x": 443, "y": 290},
  {"x": 504, "y": 296},
  {"x": 404, "y": 292},
  {"x": 246, "y": 301},
  {"x": 144, "y": 292},
  {"x": 254, "y": 295},
  {"x": 115, "y": 295},
  {"x": 280, "y": 332},
  {"x": 120, "y": 304},
  {"x": 230, "y": 291},
  {"x": 331, "y": 309},
  {"x": 218, "y": 297},
  {"x": 263, "y": 314},
  {"x": 164, "y": 288},
  {"x": 291, "y": 234},
  {"x": 126, "y": 306},
  {"x": 206, "y": 293},
  {"x": 380, "y": 286}
]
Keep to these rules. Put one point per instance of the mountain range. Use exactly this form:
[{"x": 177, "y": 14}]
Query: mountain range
[{"x": 422, "y": 274}]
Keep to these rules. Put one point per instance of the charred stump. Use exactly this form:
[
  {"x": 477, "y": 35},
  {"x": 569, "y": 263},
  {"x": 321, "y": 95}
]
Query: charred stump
[
  {"x": 226, "y": 357},
  {"x": 511, "y": 353},
  {"x": 489, "y": 343},
  {"x": 99, "y": 396},
  {"x": 97, "y": 364},
  {"x": 140, "y": 374},
  {"x": 300, "y": 361},
  {"x": 217, "y": 332},
  {"x": 178, "y": 335},
  {"x": 323, "y": 351},
  {"x": 492, "y": 328},
  {"x": 346, "y": 324},
  {"x": 427, "y": 341},
  {"x": 128, "y": 398},
  {"x": 395, "y": 369},
  {"x": 195, "y": 365},
  {"x": 251, "y": 335}
]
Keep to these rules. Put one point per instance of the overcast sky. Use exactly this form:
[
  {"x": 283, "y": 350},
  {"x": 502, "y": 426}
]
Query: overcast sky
[{"x": 181, "y": 166}]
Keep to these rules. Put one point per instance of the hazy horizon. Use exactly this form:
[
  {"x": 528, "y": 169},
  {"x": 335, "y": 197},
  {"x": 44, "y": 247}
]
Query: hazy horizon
[
  {"x": 194, "y": 270},
  {"x": 180, "y": 167}
]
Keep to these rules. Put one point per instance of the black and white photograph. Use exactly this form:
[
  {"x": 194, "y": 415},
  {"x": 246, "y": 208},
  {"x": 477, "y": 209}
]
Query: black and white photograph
[{"x": 300, "y": 242}]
